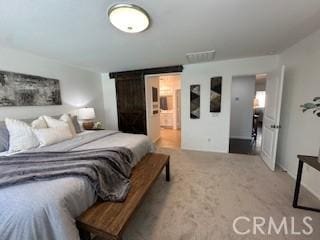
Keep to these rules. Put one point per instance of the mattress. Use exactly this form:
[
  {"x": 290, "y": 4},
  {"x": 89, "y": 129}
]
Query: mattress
[{"x": 47, "y": 209}]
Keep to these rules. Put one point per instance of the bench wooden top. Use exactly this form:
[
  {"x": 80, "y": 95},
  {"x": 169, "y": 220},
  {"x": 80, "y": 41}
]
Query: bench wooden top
[{"x": 108, "y": 219}]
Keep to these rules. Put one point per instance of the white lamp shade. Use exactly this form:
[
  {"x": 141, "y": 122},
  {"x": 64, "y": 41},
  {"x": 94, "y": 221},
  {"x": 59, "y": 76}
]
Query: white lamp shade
[{"x": 87, "y": 114}]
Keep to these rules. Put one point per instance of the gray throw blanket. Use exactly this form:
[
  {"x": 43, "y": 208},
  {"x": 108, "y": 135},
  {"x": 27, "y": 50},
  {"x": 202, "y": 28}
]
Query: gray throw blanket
[{"x": 108, "y": 170}]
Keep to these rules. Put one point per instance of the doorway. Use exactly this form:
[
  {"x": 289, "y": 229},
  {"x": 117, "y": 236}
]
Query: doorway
[
  {"x": 164, "y": 109},
  {"x": 247, "y": 110}
]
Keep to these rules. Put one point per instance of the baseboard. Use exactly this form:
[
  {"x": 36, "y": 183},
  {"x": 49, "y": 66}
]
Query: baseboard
[
  {"x": 203, "y": 150},
  {"x": 294, "y": 176}
]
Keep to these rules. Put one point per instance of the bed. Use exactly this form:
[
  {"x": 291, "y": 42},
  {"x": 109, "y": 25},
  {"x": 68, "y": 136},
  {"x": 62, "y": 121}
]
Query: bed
[{"x": 47, "y": 209}]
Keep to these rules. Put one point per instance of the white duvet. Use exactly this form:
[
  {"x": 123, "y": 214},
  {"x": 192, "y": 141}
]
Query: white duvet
[{"x": 47, "y": 210}]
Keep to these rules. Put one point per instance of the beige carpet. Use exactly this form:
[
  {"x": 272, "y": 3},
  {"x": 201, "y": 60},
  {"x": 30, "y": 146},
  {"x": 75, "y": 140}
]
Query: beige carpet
[{"x": 208, "y": 191}]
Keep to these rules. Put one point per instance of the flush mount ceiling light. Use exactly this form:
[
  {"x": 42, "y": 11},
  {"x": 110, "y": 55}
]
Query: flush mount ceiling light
[{"x": 129, "y": 18}]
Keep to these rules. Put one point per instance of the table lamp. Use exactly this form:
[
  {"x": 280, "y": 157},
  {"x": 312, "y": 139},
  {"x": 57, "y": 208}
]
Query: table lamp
[{"x": 87, "y": 115}]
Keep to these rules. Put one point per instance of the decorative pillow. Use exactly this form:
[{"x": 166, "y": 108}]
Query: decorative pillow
[
  {"x": 39, "y": 123},
  {"x": 53, "y": 123},
  {"x": 4, "y": 137},
  {"x": 21, "y": 136},
  {"x": 67, "y": 118},
  {"x": 76, "y": 124},
  {"x": 49, "y": 136},
  {"x": 81, "y": 125}
]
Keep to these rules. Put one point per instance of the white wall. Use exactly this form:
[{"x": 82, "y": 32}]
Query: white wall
[
  {"x": 242, "y": 95},
  {"x": 110, "y": 102},
  {"x": 211, "y": 131},
  {"x": 153, "y": 121},
  {"x": 300, "y": 133},
  {"x": 79, "y": 88}
]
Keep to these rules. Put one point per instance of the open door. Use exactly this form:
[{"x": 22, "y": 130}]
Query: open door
[
  {"x": 271, "y": 119},
  {"x": 153, "y": 107}
]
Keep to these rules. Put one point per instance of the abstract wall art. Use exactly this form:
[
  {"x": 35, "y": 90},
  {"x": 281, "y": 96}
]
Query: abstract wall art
[
  {"x": 215, "y": 94},
  {"x": 195, "y": 101},
  {"x": 18, "y": 89}
]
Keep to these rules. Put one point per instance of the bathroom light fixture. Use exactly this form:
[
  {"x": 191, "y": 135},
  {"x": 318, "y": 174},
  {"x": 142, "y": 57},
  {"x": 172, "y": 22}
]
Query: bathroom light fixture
[{"x": 129, "y": 18}]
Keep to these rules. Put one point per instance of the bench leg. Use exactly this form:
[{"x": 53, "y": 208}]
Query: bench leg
[
  {"x": 168, "y": 171},
  {"x": 84, "y": 235}
]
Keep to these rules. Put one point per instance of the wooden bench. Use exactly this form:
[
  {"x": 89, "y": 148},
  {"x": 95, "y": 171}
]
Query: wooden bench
[{"x": 107, "y": 220}]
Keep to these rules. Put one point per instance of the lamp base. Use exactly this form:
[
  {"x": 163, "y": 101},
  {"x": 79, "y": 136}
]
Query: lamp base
[{"x": 88, "y": 125}]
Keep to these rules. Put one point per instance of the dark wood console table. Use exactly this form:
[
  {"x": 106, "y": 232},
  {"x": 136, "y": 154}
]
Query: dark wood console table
[{"x": 313, "y": 162}]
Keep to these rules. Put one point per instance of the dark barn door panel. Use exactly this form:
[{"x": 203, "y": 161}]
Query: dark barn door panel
[{"x": 131, "y": 104}]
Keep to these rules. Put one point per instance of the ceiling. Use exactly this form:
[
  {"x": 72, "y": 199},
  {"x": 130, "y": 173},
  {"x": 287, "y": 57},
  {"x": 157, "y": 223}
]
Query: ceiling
[{"x": 78, "y": 32}]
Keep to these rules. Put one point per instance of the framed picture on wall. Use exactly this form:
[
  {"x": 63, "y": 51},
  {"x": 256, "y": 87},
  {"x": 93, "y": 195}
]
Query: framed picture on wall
[
  {"x": 154, "y": 94},
  {"x": 17, "y": 89},
  {"x": 195, "y": 101},
  {"x": 155, "y": 101},
  {"x": 215, "y": 94}
]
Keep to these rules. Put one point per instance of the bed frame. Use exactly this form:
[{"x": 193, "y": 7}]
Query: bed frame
[{"x": 107, "y": 220}]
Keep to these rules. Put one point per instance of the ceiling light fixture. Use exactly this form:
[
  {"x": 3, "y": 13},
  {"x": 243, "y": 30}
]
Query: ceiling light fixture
[{"x": 129, "y": 18}]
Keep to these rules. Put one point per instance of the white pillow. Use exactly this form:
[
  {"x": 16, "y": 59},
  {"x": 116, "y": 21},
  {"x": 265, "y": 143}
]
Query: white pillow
[
  {"x": 81, "y": 125},
  {"x": 53, "y": 123},
  {"x": 21, "y": 136},
  {"x": 49, "y": 136},
  {"x": 67, "y": 118},
  {"x": 39, "y": 123}
]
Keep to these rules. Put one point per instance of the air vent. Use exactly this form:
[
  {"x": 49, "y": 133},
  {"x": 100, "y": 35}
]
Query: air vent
[{"x": 201, "y": 56}]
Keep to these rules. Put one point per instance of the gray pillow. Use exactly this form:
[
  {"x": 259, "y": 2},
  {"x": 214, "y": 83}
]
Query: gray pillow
[
  {"x": 76, "y": 124},
  {"x": 4, "y": 137}
]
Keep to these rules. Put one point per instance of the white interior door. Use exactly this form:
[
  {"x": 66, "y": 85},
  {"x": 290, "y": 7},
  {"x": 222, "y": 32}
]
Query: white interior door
[
  {"x": 271, "y": 119},
  {"x": 152, "y": 107}
]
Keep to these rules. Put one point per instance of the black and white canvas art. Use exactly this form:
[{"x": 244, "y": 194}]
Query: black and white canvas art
[
  {"x": 27, "y": 90},
  {"x": 215, "y": 94},
  {"x": 195, "y": 101}
]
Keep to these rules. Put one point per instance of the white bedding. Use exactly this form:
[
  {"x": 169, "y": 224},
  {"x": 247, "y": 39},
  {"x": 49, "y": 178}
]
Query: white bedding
[
  {"x": 4, "y": 153},
  {"x": 46, "y": 210}
]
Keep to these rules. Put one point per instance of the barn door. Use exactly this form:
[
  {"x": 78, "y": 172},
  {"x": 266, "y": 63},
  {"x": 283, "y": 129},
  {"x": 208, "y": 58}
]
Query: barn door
[{"x": 131, "y": 104}]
